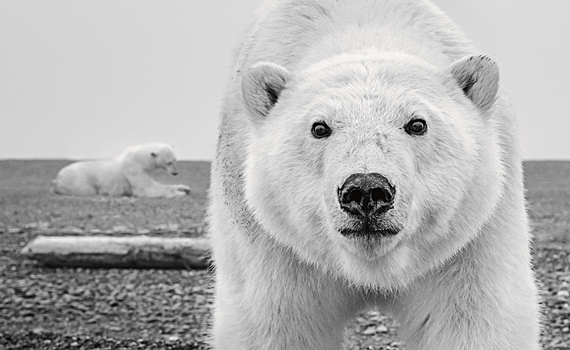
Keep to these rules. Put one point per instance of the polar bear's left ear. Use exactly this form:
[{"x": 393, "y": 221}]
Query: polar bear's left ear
[
  {"x": 478, "y": 77},
  {"x": 261, "y": 86}
]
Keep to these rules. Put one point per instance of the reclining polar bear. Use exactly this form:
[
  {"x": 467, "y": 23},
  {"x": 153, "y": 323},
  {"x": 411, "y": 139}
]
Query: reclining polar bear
[{"x": 124, "y": 175}]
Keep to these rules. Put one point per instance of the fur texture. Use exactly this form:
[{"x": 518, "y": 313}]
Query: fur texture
[
  {"x": 124, "y": 175},
  {"x": 291, "y": 266}
]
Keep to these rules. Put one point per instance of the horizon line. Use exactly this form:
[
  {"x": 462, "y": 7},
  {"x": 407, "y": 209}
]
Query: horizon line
[{"x": 210, "y": 160}]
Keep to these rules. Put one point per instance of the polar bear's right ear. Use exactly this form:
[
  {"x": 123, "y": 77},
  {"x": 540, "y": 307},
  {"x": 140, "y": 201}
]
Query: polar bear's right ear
[
  {"x": 478, "y": 77},
  {"x": 261, "y": 85}
]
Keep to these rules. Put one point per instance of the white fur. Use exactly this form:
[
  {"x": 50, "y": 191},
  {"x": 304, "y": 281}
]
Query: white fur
[
  {"x": 457, "y": 275},
  {"x": 124, "y": 175}
]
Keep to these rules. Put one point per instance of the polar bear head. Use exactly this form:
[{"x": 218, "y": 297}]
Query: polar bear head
[
  {"x": 152, "y": 156},
  {"x": 373, "y": 166},
  {"x": 164, "y": 158}
]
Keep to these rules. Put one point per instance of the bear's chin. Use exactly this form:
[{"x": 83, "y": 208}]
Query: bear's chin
[{"x": 375, "y": 262}]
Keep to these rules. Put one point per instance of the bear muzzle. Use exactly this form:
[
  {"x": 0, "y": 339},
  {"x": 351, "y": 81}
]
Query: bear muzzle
[
  {"x": 366, "y": 195},
  {"x": 366, "y": 198}
]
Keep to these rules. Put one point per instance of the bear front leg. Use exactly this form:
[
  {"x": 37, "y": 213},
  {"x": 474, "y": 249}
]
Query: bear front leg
[
  {"x": 482, "y": 299},
  {"x": 153, "y": 189},
  {"x": 268, "y": 300},
  {"x": 181, "y": 190}
]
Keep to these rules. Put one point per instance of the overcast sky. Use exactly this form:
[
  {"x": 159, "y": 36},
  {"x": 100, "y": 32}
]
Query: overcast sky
[{"x": 84, "y": 79}]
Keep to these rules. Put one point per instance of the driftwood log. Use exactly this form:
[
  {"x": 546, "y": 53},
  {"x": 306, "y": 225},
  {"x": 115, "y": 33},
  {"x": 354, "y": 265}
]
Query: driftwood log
[{"x": 119, "y": 252}]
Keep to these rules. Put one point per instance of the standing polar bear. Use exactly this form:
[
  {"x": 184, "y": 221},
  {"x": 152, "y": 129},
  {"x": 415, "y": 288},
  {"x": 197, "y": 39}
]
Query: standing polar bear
[
  {"x": 368, "y": 158},
  {"x": 124, "y": 175}
]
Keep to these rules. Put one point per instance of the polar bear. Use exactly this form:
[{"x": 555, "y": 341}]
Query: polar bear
[
  {"x": 124, "y": 175},
  {"x": 368, "y": 158}
]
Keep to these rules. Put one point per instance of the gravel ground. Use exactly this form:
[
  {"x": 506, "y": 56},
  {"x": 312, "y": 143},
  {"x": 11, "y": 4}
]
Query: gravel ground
[
  {"x": 75, "y": 308},
  {"x": 63, "y": 308},
  {"x": 102, "y": 306}
]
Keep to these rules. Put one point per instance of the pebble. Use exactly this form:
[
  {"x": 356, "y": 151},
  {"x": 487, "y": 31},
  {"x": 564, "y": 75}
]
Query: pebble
[
  {"x": 159, "y": 228},
  {"x": 31, "y": 225},
  {"x": 167, "y": 228},
  {"x": 38, "y": 330},
  {"x": 121, "y": 229},
  {"x": 382, "y": 329},
  {"x": 72, "y": 230},
  {"x": 173, "y": 338},
  {"x": 563, "y": 294}
]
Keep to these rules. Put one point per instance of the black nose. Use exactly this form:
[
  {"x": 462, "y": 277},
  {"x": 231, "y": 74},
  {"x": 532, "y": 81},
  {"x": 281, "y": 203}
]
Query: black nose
[{"x": 366, "y": 194}]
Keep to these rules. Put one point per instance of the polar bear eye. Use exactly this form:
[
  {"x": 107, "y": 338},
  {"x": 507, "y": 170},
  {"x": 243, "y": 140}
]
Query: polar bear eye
[
  {"x": 416, "y": 127},
  {"x": 321, "y": 130}
]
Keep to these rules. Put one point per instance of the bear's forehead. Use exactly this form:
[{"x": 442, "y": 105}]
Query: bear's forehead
[
  {"x": 362, "y": 98},
  {"x": 368, "y": 84},
  {"x": 164, "y": 152},
  {"x": 370, "y": 72}
]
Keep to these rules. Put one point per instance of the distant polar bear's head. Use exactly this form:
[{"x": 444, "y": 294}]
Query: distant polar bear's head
[
  {"x": 373, "y": 166},
  {"x": 153, "y": 156},
  {"x": 165, "y": 159}
]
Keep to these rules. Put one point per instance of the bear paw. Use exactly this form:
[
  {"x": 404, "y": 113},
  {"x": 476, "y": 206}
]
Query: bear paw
[{"x": 182, "y": 190}]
